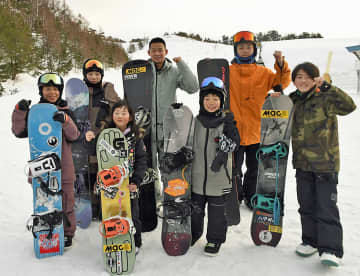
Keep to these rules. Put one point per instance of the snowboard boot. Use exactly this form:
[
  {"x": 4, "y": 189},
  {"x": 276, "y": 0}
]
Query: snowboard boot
[
  {"x": 67, "y": 242},
  {"x": 329, "y": 259},
  {"x": 212, "y": 249},
  {"x": 305, "y": 250}
]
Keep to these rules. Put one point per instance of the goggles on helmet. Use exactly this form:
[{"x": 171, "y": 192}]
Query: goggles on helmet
[
  {"x": 50, "y": 77},
  {"x": 93, "y": 62},
  {"x": 218, "y": 83},
  {"x": 244, "y": 36}
]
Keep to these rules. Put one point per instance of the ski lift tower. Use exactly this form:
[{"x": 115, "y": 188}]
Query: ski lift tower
[{"x": 356, "y": 51}]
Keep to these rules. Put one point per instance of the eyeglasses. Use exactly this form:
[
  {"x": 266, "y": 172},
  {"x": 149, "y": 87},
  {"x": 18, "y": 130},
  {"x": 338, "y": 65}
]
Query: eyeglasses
[
  {"x": 244, "y": 36},
  {"x": 214, "y": 81},
  {"x": 50, "y": 77},
  {"x": 93, "y": 62}
]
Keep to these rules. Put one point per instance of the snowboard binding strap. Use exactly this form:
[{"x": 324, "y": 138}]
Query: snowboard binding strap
[
  {"x": 45, "y": 222},
  {"x": 109, "y": 180},
  {"x": 273, "y": 151},
  {"x": 115, "y": 226},
  {"x": 43, "y": 164},
  {"x": 177, "y": 210},
  {"x": 51, "y": 187}
]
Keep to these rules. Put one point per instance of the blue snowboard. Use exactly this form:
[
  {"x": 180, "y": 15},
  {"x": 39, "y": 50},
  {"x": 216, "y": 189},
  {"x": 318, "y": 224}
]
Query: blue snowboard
[
  {"x": 45, "y": 137},
  {"x": 77, "y": 96}
]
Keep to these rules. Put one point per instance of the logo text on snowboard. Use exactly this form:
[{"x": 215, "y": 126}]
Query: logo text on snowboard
[
  {"x": 117, "y": 247},
  {"x": 275, "y": 114}
]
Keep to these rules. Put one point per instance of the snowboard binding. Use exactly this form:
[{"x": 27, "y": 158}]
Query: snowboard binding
[
  {"x": 176, "y": 160},
  {"x": 115, "y": 226},
  {"x": 45, "y": 222},
  {"x": 43, "y": 164},
  {"x": 275, "y": 151},
  {"x": 177, "y": 210},
  {"x": 109, "y": 180}
]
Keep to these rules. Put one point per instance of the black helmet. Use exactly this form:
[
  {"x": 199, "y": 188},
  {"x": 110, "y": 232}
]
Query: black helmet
[
  {"x": 213, "y": 85},
  {"x": 91, "y": 65}
]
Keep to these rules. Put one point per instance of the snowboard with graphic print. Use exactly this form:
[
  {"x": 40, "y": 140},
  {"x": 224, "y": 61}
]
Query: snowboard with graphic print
[
  {"x": 77, "y": 97},
  {"x": 116, "y": 228},
  {"x": 268, "y": 202},
  {"x": 45, "y": 140},
  {"x": 175, "y": 210},
  {"x": 138, "y": 91}
]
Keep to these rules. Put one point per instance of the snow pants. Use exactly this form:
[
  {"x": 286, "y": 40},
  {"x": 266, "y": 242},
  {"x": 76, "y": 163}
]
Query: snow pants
[
  {"x": 247, "y": 187},
  {"x": 68, "y": 205},
  {"x": 135, "y": 216},
  {"x": 320, "y": 220},
  {"x": 217, "y": 226}
]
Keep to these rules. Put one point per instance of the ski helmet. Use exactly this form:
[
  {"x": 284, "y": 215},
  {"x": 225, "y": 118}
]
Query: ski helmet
[
  {"x": 91, "y": 65},
  {"x": 244, "y": 36},
  {"x": 213, "y": 85},
  {"x": 51, "y": 79}
]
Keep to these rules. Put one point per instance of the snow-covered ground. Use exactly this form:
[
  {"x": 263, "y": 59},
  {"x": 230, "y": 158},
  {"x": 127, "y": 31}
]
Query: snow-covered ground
[{"x": 238, "y": 256}]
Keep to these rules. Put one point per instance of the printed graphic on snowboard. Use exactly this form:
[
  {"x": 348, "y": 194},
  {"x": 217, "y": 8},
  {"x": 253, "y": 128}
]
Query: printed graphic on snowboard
[
  {"x": 268, "y": 202},
  {"x": 46, "y": 223},
  {"x": 116, "y": 229}
]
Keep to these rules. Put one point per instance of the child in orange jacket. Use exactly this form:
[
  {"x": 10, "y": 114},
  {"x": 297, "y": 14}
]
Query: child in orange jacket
[{"x": 249, "y": 86}]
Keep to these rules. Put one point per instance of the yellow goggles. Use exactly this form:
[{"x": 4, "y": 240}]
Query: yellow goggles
[
  {"x": 50, "y": 77},
  {"x": 93, "y": 62}
]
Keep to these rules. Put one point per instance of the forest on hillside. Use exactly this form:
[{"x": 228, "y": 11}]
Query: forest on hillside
[{"x": 42, "y": 35}]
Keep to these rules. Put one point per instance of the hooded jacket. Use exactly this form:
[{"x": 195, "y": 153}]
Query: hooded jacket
[
  {"x": 249, "y": 86},
  {"x": 315, "y": 141}
]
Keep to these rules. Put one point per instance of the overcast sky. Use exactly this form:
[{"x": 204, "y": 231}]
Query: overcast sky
[{"x": 128, "y": 19}]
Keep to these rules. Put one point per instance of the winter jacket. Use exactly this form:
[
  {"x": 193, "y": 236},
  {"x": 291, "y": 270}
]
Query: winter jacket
[
  {"x": 69, "y": 134},
  {"x": 97, "y": 94},
  {"x": 204, "y": 181},
  {"x": 249, "y": 85},
  {"x": 166, "y": 81},
  {"x": 315, "y": 142}
]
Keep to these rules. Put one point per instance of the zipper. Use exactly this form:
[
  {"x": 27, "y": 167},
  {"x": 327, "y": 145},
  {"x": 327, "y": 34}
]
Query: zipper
[{"x": 205, "y": 159}]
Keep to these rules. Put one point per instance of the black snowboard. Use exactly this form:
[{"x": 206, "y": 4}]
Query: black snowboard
[
  {"x": 268, "y": 202},
  {"x": 138, "y": 90},
  {"x": 220, "y": 68}
]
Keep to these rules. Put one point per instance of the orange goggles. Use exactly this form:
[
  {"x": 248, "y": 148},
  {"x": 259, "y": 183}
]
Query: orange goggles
[
  {"x": 244, "y": 36},
  {"x": 93, "y": 62}
]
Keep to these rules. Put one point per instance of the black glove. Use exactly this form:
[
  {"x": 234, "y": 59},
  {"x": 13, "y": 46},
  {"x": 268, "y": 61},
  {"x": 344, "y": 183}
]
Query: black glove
[
  {"x": 23, "y": 105},
  {"x": 226, "y": 144},
  {"x": 220, "y": 160},
  {"x": 102, "y": 113},
  {"x": 60, "y": 116}
]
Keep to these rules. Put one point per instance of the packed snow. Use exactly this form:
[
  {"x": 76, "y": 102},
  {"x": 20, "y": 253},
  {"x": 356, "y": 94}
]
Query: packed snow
[{"x": 238, "y": 256}]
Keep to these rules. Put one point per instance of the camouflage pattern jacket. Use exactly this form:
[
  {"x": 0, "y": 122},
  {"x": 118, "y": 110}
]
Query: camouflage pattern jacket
[{"x": 315, "y": 142}]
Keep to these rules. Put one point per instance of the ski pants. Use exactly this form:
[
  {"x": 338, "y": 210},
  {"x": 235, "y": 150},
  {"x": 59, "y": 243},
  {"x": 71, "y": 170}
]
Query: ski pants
[
  {"x": 247, "y": 187},
  {"x": 68, "y": 205},
  {"x": 95, "y": 198},
  {"x": 135, "y": 216},
  {"x": 217, "y": 226},
  {"x": 320, "y": 220}
]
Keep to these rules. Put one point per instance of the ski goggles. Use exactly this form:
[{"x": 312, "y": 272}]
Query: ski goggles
[
  {"x": 93, "y": 62},
  {"x": 214, "y": 81},
  {"x": 244, "y": 36},
  {"x": 50, "y": 77}
]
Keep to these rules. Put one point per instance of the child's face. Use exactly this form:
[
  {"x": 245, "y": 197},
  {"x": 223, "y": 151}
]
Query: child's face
[
  {"x": 121, "y": 117},
  {"x": 303, "y": 81},
  {"x": 93, "y": 77},
  {"x": 211, "y": 102},
  {"x": 245, "y": 49},
  {"x": 50, "y": 93},
  {"x": 157, "y": 52}
]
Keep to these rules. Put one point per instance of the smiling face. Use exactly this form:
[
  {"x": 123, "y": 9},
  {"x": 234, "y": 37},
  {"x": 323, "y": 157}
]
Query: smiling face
[
  {"x": 303, "y": 81},
  {"x": 211, "y": 102},
  {"x": 245, "y": 49},
  {"x": 158, "y": 52},
  {"x": 121, "y": 117},
  {"x": 50, "y": 93},
  {"x": 94, "y": 77}
]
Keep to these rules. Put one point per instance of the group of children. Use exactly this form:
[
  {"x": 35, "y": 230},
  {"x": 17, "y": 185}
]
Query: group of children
[{"x": 314, "y": 143}]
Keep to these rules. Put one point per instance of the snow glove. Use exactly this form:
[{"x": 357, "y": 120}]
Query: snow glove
[
  {"x": 60, "y": 116},
  {"x": 102, "y": 113},
  {"x": 225, "y": 146},
  {"x": 23, "y": 105}
]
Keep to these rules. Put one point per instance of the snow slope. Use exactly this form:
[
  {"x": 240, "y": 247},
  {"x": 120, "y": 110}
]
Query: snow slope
[{"x": 238, "y": 255}]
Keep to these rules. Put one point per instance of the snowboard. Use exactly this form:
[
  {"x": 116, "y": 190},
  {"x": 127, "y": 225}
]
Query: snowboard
[
  {"x": 77, "y": 97},
  {"x": 138, "y": 91},
  {"x": 220, "y": 68},
  {"x": 116, "y": 228},
  {"x": 268, "y": 202},
  {"x": 176, "y": 206},
  {"x": 45, "y": 139}
]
